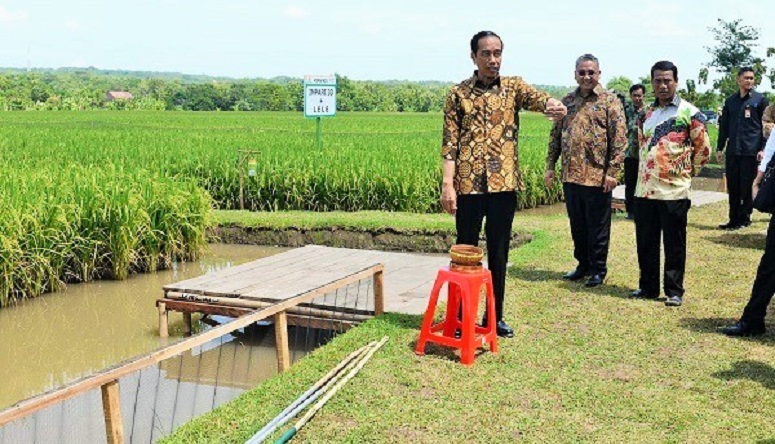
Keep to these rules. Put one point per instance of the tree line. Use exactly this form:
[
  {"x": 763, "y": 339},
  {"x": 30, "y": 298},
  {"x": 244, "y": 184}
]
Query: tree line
[
  {"x": 86, "y": 88},
  {"x": 736, "y": 46}
]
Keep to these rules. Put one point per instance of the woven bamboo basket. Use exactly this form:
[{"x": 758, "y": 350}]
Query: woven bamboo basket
[{"x": 461, "y": 254}]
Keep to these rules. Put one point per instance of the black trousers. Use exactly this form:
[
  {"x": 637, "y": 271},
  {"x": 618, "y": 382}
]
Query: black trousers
[
  {"x": 630, "y": 181},
  {"x": 589, "y": 212},
  {"x": 497, "y": 209},
  {"x": 764, "y": 285},
  {"x": 665, "y": 219},
  {"x": 741, "y": 172}
]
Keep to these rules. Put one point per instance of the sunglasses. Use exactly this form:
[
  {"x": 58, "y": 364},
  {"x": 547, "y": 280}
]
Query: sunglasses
[{"x": 586, "y": 72}]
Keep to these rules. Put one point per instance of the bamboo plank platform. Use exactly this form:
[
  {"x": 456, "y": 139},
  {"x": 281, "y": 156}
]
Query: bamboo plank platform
[
  {"x": 234, "y": 291},
  {"x": 698, "y": 197}
]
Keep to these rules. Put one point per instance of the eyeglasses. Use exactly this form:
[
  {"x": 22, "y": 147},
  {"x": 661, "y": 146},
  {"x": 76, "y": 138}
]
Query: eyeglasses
[{"x": 586, "y": 72}]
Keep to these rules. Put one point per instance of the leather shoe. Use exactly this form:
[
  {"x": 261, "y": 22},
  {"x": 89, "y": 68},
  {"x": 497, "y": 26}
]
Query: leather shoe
[
  {"x": 742, "y": 328},
  {"x": 503, "y": 330},
  {"x": 595, "y": 280},
  {"x": 575, "y": 275},
  {"x": 640, "y": 294},
  {"x": 745, "y": 224},
  {"x": 673, "y": 301},
  {"x": 729, "y": 226}
]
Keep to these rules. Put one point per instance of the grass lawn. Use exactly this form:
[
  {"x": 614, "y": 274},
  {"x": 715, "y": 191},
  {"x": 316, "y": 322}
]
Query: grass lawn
[{"x": 584, "y": 366}]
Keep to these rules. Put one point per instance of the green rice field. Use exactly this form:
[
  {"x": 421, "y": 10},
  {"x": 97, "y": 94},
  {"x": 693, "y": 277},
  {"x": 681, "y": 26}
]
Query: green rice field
[
  {"x": 103, "y": 194},
  {"x": 369, "y": 161}
]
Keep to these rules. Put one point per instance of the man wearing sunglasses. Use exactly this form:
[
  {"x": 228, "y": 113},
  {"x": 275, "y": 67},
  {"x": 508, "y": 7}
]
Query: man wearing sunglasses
[
  {"x": 480, "y": 156},
  {"x": 591, "y": 139}
]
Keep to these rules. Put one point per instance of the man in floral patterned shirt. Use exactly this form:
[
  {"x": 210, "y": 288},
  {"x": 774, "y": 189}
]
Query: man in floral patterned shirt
[
  {"x": 480, "y": 156},
  {"x": 591, "y": 139},
  {"x": 674, "y": 147}
]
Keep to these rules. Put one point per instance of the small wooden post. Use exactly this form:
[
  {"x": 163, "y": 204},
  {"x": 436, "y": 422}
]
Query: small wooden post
[
  {"x": 241, "y": 185},
  {"x": 111, "y": 408},
  {"x": 281, "y": 341},
  {"x": 379, "y": 294},
  {"x": 187, "y": 324},
  {"x": 163, "y": 320}
]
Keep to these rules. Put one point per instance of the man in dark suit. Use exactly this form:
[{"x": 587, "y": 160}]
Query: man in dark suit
[
  {"x": 752, "y": 321},
  {"x": 740, "y": 133}
]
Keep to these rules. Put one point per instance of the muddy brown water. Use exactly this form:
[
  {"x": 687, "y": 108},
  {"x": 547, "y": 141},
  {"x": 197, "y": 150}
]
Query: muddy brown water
[{"x": 57, "y": 338}]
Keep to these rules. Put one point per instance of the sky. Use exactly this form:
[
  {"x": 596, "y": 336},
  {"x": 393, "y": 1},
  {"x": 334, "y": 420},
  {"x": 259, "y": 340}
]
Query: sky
[{"x": 395, "y": 39}]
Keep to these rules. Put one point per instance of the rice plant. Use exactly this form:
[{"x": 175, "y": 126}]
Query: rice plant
[{"x": 104, "y": 194}]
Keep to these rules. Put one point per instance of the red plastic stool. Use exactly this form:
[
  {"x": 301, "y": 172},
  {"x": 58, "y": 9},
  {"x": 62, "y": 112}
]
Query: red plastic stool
[{"x": 463, "y": 287}]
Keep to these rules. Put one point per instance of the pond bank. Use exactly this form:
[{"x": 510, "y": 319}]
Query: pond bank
[
  {"x": 369, "y": 230},
  {"x": 387, "y": 240}
]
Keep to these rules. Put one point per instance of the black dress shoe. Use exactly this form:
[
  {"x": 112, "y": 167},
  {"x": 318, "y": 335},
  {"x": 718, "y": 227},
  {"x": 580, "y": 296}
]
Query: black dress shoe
[
  {"x": 640, "y": 294},
  {"x": 503, "y": 330},
  {"x": 742, "y": 328},
  {"x": 729, "y": 226},
  {"x": 595, "y": 280},
  {"x": 745, "y": 224},
  {"x": 575, "y": 275}
]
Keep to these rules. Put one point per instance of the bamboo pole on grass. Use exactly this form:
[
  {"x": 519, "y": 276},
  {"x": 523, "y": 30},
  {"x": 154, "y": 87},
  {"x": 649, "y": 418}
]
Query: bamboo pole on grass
[
  {"x": 287, "y": 436},
  {"x": 310, "y": 395}
]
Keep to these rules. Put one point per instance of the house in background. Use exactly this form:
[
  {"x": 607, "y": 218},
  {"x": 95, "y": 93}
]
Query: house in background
[{"x": 118, "y": 95}]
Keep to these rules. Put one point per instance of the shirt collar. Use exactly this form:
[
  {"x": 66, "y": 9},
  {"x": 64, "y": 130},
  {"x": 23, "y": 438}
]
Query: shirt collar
[
  {"x": 597, "y": 90},
  {"x": 747, "y": 95},
  {"x": 476, "y": 82},
  {"x": 675, "y": 102}
]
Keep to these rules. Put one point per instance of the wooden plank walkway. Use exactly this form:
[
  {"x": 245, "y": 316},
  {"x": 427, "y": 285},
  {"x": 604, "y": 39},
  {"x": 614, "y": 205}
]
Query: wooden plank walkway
[
  {"x": 407, "y": 278},
  {"x": 698, "y": 197}
]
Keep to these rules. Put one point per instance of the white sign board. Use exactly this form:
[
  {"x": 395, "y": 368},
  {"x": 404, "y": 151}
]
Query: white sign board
[{"x": 319, "y": 96}]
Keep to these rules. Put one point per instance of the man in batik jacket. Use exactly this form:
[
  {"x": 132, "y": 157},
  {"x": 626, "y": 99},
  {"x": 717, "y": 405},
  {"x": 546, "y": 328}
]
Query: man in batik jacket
[
  {"x": 591, "y": 140},
  {"x": 481, "y": 157}
]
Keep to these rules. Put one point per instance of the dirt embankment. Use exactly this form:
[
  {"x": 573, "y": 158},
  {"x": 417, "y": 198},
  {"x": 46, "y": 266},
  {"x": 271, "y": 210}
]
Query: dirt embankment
[{"x": 338, "y": 237}]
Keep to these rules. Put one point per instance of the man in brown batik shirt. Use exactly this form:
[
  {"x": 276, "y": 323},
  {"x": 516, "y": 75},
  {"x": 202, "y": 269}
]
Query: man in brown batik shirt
[
  {"x": 592, "y": 139},
  {"x": 768, "y": 121},
  {"x": 480, "y": 156}
]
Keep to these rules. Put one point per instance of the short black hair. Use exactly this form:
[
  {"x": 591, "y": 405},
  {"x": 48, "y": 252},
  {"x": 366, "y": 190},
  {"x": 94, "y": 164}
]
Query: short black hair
[
  {"x": 637, "y": 86},
  {"x": 664, "y": 65},
  {"x": 744, "y": 70},
  {"x": 480, "y": 35}
]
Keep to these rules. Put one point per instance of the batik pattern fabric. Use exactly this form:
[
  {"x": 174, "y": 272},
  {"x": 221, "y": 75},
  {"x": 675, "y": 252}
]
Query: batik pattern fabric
[
  {"x": 481, "y": 129},
  {"x": 674, "y": 147},
  {"x": 591, "y": 138},
  {"x": 633, "y": 115},
  {"x": 768, "y": 121}
]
